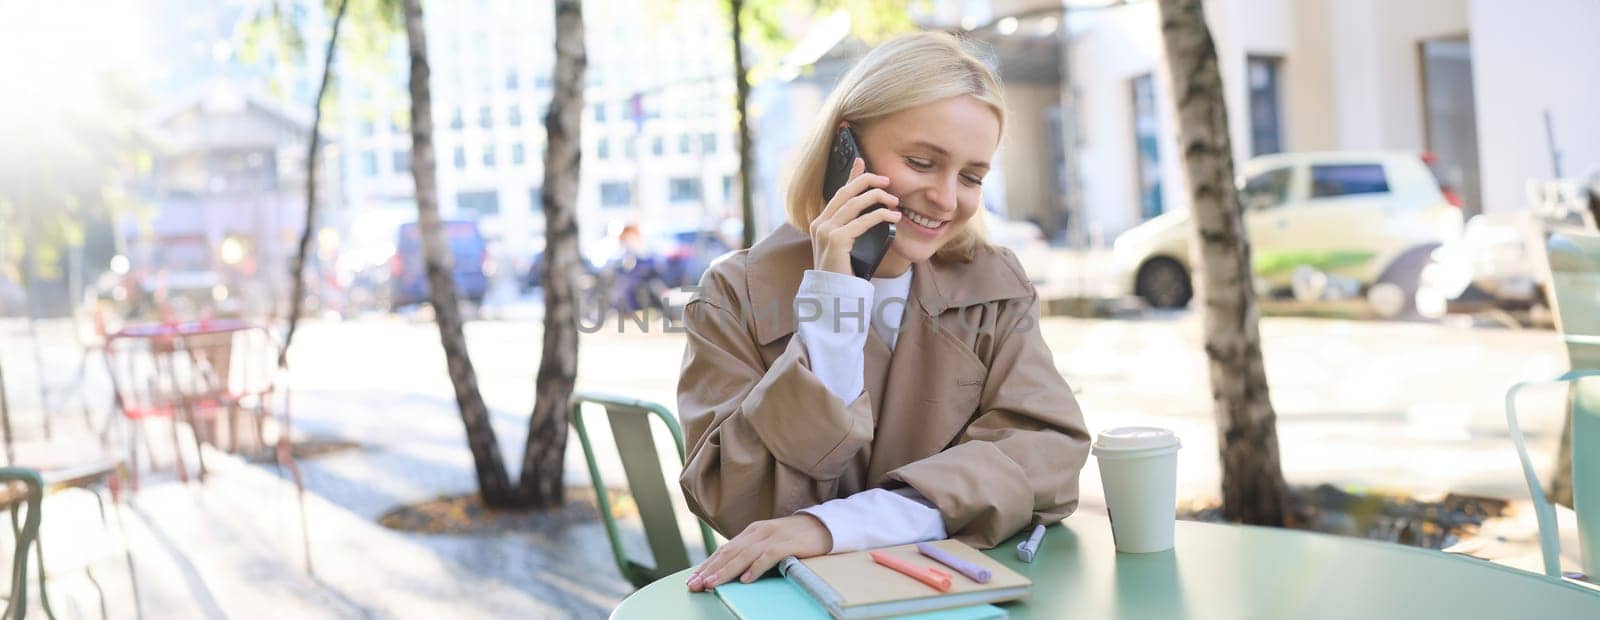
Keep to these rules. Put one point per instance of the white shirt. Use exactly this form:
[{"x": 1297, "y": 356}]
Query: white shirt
[{"x": 843, "y": 307}]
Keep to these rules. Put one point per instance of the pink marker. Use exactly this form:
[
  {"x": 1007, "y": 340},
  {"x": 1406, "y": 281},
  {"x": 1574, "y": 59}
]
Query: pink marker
[{"x": 972, "y": 571}]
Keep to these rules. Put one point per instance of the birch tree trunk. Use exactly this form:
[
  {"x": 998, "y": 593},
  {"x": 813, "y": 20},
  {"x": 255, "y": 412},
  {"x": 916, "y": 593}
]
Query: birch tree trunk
[
  {"x": 493, "y": 483},
  {"x": 746, "y": 150},
  {"x": 297, "y": 296},
  {"x": 541, "y": 483},
  {"x": 1252, "y": 482}
]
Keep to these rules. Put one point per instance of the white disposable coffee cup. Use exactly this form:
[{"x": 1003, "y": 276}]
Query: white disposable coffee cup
[{"x": 1139, "y": 471}]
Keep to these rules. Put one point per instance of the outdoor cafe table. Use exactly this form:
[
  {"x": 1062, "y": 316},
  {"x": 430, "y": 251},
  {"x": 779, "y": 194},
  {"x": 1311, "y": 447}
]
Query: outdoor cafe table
[{"x": 1229, "y": 571}]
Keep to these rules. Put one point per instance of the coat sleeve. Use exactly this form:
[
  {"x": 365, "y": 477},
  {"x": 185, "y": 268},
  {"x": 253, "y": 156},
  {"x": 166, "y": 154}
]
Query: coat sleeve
[
  {"x": 1017, "y": 462},
  {"x": 762, "y": 442}
]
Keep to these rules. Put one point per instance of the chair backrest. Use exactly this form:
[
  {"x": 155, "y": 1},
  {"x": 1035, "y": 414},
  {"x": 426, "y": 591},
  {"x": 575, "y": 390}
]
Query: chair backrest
[
  {"x": 143, "y": 371},
  {"x": 629, "y": 420},
  {"x": 1574, "y": 261},
  {"x": 158, "y": 370},
  {"x": 236, "y": 363}
]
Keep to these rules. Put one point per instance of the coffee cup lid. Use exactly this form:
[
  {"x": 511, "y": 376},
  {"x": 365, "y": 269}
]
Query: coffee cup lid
[{"x": 1129, "y": 438}]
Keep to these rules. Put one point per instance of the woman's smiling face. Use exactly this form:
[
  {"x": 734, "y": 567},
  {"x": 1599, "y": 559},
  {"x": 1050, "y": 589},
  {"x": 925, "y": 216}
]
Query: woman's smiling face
[{"x": 935, "y": 156}]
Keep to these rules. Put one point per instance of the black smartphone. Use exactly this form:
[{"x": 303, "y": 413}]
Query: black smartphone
[{"x": 871, "y": 246}]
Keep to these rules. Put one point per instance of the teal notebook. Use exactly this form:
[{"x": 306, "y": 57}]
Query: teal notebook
[{"x": 776, "y": 598}]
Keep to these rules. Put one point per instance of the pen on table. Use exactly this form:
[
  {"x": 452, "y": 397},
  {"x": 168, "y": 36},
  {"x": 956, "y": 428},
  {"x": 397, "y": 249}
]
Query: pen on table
[
  {"x": 1026, "y": 549},
  {"x": 972, "y": 571},
  {"x": 932, "y": 577}
]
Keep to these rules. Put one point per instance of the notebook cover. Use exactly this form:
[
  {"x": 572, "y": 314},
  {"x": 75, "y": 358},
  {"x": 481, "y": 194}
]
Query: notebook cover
[
  {"x": 776, "y": 598},
  {"x": 773, "y": 598},
  {"x": 860, "y": 581}
]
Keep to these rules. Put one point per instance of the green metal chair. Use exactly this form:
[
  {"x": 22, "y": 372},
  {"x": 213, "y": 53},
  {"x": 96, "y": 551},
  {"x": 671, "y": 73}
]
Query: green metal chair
[
  {"x": 53, "y": 467},
  {"x": 630, "y": 427},
  {"x": 27, "y": 537},
  {"x": 1574, "y": 261}
]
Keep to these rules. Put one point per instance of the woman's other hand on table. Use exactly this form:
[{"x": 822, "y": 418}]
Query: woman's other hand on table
[{"x": 760, "y": 547}]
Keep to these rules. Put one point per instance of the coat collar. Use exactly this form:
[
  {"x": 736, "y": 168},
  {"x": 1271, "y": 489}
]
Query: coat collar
[{"x": 776, "y": 264}]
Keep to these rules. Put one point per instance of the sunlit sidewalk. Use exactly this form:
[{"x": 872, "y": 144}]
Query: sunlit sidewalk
[{"x": 232, "y": 547}]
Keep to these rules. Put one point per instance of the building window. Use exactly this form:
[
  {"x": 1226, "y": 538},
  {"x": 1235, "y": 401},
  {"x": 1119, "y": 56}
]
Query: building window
[
  {"x": 728, "y": 183},
  {"x": 1266, "y": 117},
  {"x": 369, "y": 163},
  {"x": 630, "y": 147},
  {"x": 514, "y": 116},
  {"x": 485, "y": 117},
  {"x": 368, "y": 127},
  {"x": 511, "y": 80},
  {"x": 541, "y": 81},
  {"x": 402, "y": 161},
  {"x": 708, "y": 143},
  {"x": 518, "y": 154},
  {"x": 657, "y": 147},
  {"x": 536, "y": 198},
  {"x": 615, "y": 194},
  {"x": 478, "y": 203},
  {"x": 683, "y": 189},
  {"x": 461, "y": 158},
  {"x": 599, "y": 112},
  {"x": 1147, "y": 146},
  {"x": 488, "y": 155},
  {"x": 602, "y": 149},
  {"x": 683, "y": 144},
  {"x": 455, "y": 119},
  {"x": 1334, "y": 180}
]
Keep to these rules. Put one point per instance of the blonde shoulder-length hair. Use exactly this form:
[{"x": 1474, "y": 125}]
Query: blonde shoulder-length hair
[{"x": 902, "y": 73}]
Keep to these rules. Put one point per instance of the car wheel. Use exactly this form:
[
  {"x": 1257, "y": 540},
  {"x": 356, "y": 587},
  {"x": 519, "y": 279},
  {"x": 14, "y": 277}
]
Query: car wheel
[{"x": 1164, "y": 283}]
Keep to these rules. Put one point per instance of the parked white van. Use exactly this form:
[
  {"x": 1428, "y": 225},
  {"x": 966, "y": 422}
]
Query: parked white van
[{"x": 1366, "y": 218}]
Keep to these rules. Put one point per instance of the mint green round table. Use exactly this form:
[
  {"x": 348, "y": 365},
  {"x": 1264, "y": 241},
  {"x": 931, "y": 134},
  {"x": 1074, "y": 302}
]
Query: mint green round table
[{"x": 1228, "y": 571}]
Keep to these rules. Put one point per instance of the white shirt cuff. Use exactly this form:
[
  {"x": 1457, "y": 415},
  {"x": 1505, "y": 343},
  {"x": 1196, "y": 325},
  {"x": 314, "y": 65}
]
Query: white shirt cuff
[
  {"x": 876, "y": 518},
  {"x": 833, "y": 314}
]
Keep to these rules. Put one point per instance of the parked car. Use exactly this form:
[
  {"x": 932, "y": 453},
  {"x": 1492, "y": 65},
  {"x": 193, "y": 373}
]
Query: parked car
[
  {"x": 408, "y": 278},
  {"x": 1366, "y": 221}
]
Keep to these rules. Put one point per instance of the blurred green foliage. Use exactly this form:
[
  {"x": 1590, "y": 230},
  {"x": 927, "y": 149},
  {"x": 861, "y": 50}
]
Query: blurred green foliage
[
  {"x": 287, "y": 39},
  {"x": 765, "y": 33},
  {"x": 67, "y": 161}
]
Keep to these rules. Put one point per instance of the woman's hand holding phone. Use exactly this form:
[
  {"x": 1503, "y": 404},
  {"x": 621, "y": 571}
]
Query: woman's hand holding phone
[{"x": 835, "y": 230}]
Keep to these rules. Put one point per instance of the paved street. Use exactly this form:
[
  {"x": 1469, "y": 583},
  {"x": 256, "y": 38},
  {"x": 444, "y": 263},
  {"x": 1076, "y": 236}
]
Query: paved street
[{"x": 1401, "y": 406}]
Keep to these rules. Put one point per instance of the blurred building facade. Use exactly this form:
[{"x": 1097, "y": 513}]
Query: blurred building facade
[
  {"x": 226, "y": 190},
  {"x": 658, "y": 149},
  {"x": 1468, "y": 80},
  {"x": 1471, "y": 80}
]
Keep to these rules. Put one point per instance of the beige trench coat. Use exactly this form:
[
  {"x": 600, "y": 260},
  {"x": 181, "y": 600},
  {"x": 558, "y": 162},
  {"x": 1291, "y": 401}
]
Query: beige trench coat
[{"x": 968, "y": 409}]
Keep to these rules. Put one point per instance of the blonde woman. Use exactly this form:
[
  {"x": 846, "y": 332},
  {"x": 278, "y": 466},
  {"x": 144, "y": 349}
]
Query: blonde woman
[{"x": 829, "y": 413}]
